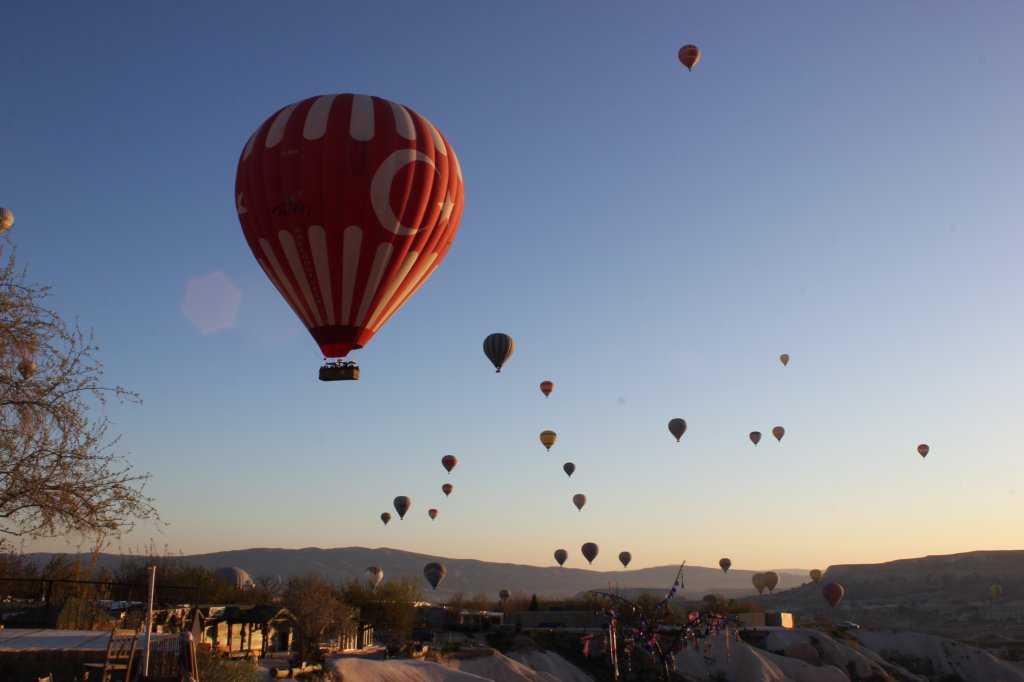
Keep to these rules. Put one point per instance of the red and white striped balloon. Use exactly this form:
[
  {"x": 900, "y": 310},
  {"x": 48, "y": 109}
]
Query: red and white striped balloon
[{"x": 349, "y": 203}]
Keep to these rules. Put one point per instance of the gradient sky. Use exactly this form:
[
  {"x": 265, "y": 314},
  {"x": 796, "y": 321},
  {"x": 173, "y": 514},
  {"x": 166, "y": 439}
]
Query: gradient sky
[{"x": 838, "y": 181}]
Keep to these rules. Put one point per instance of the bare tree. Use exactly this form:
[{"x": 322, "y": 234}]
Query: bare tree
[{"x": 59, "y": 474}]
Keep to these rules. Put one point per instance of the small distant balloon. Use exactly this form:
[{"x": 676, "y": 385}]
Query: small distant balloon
[
  {"x": 589, "y": 550},
  {"x": 784, "y": 359},
  {"x": 447, "y": 489},
  {"x": 548, "y": 438},
  {"x": 498, "y": 349},
  {"x": 432, "y": 513},
  {"x": 6, "y": 219},
  {"x": 546, "y": 387},
  {"x": 560, "y": 556},
  {"x": 725, "y": 564},
  {"x": 815, "y": 574},
  {"x": 434, "y": 572},
  {"x": 504, "y": 594},
  {"x": 689, "y": 55},
  {"x": 449, "y": 462},
  {"x": 995, "y": 591},
  {"x": 677, "y": 427},
  {"x": 569, "y": 468},
  {"x": 833, "y": 593},
  {"x": 625, "y": 558},
  {"x": 755, "y": 437},
  {"x": 373, "y": 575},
  {"x": 778, "y": 432},
  {"x": 758, "y": 580},
  {"x": 402, "y": 504},
  {"x": 385, "y": 517},
  {"x": 579, "y": 499},
  {"x": 922, "y": 450}
]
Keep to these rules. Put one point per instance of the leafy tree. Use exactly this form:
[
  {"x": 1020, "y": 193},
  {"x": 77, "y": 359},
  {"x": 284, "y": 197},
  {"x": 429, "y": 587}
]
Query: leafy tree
[
  {"x": 59, "y": 474},
  {"x": 319, "y": 612},
  {"x": 389, "y": 607}
]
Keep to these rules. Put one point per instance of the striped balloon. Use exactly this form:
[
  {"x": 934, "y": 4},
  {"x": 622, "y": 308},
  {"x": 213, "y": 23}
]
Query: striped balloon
[
  {"x": 498, "y": 349},
  {"x": 349, "y": 203}
]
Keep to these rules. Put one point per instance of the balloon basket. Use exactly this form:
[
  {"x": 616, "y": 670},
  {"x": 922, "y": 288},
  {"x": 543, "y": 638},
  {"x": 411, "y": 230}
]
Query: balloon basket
[{"x": 339, "y": 371}]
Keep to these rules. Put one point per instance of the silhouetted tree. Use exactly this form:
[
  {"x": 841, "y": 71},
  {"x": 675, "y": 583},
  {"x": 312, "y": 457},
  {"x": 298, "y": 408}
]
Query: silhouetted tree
[
  {"x": 534, "y": 606},
  {"x": 389, "y": 607},
  {"x": 319, "y": 613}
]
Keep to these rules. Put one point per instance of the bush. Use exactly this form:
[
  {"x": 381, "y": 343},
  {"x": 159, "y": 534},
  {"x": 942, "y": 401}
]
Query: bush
[{"x": 213, "y": 667}]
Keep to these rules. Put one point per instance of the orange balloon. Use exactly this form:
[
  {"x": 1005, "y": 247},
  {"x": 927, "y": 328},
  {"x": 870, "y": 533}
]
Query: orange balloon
[
  {"x": 689, "y": 55},
  {"x": 546, "y": 387}
]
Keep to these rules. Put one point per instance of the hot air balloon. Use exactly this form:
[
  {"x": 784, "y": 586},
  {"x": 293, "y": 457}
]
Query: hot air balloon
[
  {"x": 995, "y": 591},
  {"x": 546, "y": 387},
  {"x": 548, "y": 438},
  {"x": 625, "y": 558},
  {"x": 724, "y": 564},
  {"x": 26, "y": 368},
  {"x": 689, "y": 55},
  {"x": 6, "y": 219},
  {"x": 402, "y": 504},
  {"x": 589, "y": 550},
  {"x": 349, "y": 203},
  {"x": 434, "y": 572},
  {"x": 833, "y": 593},
  {"x": 579, "y": 499},
  {"x": 758, "y": 580},
  {"x": 385, "y": 517},
  {"x": 815, "y": 575},
  {"x": 498, "y": 349},
  {"x": 373, "y": 575},
  {"x": 922, "y": 450},
  {"x": 432, "y": 513},
  {"x": 504, "y": 594},
  {"x": 778, "y": 432},
  {"x": 784, "y": 359},
  {"x": 771, "y": 580},
  {"x": 447, "y": 489},
  {"x": 569, "y": 468},
  {"x": 560, "y": 556},
  {"x": 677, "y": 427},
  {"x": 449, "y": 462},
  {"x": 755, "y": 437}
]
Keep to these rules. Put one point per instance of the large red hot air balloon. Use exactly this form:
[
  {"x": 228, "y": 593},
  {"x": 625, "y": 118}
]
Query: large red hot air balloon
[
  {"x": 349, "y": 203},
  {"x": 833, "y": 593},
  {"x": 449, "y": 462},
  {"x": 689, "y": 55}
]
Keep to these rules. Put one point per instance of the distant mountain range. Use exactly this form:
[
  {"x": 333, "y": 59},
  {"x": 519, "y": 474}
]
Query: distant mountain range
[{"x": 471, "y": 577}]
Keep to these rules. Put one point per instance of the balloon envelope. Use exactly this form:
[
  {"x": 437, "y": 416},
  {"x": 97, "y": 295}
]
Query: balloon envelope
[
  {"x": 449, "y": 462},
  {"x": 560, "y": 556},
  {"x": 432, "y": 513},
  {"x": 677, "y": 427},
  {"x": 373, "y": 575},
  {"x": 771, "y": 580},
  {"x": 402, "y": 504},
  {"x": 778, "y": 432},
  {"x": 548, "y": 438},
  {"x": 504, "y": 594},
  {"x": 6, "y": 219},
  {"x": 434, "y": 572},
  {"x": 569, "y": 468},
  {"x": 546, "y": 387},
  {"x": 758, "y": 580},
  {"x": 922, "y": 450},
  {"x": 625, "y": 558},
  {"x": 447, "y": 489},
  {"x": 498, "y": 349},
  {"x": 815, "y": 574},
  {"x": 724, "y": 564},
  {"x": 349, "y": 203},
  {"x": 784, "y": 359},
  {"x": 26, "y": 368},
  {"x": 755, "y": 437},
  {"x": 385, "y": 517},
  {"x": 833, "y": 593},
  {"x": 589, "y": 550},
  {"x": 689, "y": 55},
  {"x": 579, "y": 499}
]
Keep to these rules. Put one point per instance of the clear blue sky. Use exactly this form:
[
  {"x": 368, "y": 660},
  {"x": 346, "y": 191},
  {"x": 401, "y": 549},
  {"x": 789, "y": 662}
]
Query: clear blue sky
[{"x": 838, "y": 181}]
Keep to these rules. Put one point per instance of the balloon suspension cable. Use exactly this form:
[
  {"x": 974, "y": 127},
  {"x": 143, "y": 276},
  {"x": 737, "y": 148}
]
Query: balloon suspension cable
[{"x": 339, "y": 370}]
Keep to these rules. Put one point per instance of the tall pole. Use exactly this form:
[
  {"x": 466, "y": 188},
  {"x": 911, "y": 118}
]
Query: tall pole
[{"x": 149, "y": 619}]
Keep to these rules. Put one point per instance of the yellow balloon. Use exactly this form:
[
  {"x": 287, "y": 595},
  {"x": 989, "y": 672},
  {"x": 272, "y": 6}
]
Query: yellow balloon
[
  {"x": 6, "y": 220},
  {"x": 548, "y": 438},
  {"x": 784, "y": 359}
]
